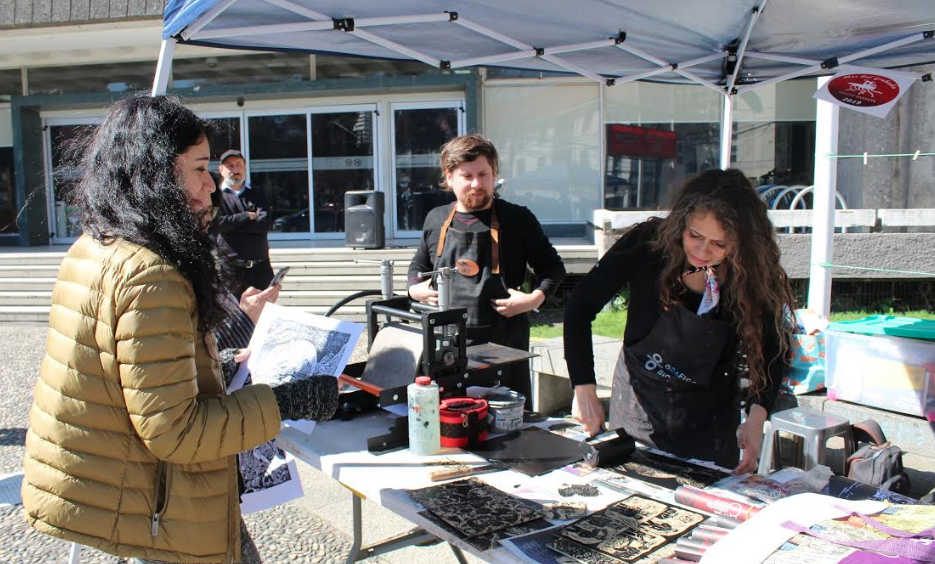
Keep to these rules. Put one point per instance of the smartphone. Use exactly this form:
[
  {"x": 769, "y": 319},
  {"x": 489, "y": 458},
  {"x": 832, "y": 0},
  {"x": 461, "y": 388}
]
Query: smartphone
[{"x": 279, "y": 276}]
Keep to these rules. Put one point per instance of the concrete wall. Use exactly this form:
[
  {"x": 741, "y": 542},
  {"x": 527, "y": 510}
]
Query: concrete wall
[
  {"x": 44, "y": 12},
  {"x": 891, "y": 251},
  {"x": 890, "y": 182},
  {"x": 894, "y": 251}
]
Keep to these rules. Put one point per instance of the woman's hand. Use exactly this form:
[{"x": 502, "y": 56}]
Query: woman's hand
[
  {"x": 587, "y": 408},
  {"x": 422, "y": 292},
  {"x": 252, "y": 301},
  {"x": 750, "y": 440},
  {"x": 241, "y": 355},
  {"x": 518, "y": 302}
]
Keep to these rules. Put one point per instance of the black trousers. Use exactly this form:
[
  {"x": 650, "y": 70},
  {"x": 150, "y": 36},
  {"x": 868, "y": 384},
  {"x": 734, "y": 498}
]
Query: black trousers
[
  {"x": 510, "y": 332},
  {"x": 258, "y": 276}
]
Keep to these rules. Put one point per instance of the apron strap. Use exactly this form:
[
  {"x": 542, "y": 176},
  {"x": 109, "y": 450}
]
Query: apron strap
[
  {"x": 444, "y": 231},
  {"x": 494, "y": 237},
  {"x": 494, "y": 241}
]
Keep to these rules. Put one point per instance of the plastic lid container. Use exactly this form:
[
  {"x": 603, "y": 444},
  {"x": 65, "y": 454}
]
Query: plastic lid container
[
  {"x": 424, "y": 381},
  {"x": 895, "y": 326}
]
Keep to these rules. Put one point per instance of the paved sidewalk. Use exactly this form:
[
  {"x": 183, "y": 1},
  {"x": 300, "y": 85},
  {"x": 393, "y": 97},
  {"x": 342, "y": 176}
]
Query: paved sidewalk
[{"x": 314, "y": 529}]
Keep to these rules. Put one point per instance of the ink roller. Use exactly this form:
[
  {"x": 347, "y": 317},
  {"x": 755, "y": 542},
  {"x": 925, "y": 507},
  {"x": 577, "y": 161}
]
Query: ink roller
[
  {"x": 606, "y": 448},
  {"x": 691, "y": 550}
]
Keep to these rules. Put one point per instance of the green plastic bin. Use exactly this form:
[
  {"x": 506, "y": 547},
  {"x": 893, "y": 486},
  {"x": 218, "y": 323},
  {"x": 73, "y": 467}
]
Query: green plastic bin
[{"x": 892, "y": 325}]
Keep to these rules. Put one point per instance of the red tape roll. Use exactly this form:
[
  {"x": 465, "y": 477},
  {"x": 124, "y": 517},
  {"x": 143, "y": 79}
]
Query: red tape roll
[{"x": 463, "y": 422}]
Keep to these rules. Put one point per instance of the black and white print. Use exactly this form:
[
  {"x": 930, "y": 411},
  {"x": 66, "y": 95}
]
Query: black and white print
[{"x": 291, "y": 344}]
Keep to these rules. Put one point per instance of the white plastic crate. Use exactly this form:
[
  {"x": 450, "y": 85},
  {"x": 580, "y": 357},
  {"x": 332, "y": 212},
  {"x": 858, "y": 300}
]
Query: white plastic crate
[{"x": 880, "y": 371}]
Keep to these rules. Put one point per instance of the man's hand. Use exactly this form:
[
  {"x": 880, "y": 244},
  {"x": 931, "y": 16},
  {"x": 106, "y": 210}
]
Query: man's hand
[
  {"x": 587, "y": 408},
  {"x": 750, "y": 440},
  {"x": 252, "y": 301},
  {"x": 422, "y": 292},
  {"x": 518, "y": 302},
  {"x": 252, "y": 215}
]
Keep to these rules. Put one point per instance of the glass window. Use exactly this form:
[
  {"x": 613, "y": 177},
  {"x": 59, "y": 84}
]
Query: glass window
[
  {"x": 646, "y": 164},
  {"x": 112, "y": 77},
  {"x": 8, "y": 205},
  {"x": 336, "y": 66},
  {"x": 240, "y": 69},
  {"x": 548, "y": 138},
  {"x": 503, "y": 72},
  {"x": 226, "y": 136},
  {"x": 64, "y": 176},
  {"x": 774, "y": 133},
  {"x": 279, "y": 167},
  {"x": 419, "y": 134},
  {"x": 342, "y": 161},
  {"x": 657, "y": 135},
  {"x": 11, "y": 82}
]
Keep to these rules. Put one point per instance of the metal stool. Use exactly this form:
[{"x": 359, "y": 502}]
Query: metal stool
[{"x": 811, "y": 430}]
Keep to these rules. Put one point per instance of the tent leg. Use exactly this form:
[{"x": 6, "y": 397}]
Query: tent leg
[
  {"x": 727, "y": 130},
  {"x": 826, "y": 173},
  {"x": 164, "y": 67}
]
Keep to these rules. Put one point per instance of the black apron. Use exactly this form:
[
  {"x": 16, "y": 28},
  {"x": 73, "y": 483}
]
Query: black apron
[
  {"x": 666, "y": 394},
  {"x": 484, "y": 324}
]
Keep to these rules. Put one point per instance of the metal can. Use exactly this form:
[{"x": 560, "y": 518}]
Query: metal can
[{"x": 505, "y": 412}]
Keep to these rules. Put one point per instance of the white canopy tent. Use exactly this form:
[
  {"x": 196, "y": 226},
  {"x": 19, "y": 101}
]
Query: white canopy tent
[{"x": 729, "y": 46}]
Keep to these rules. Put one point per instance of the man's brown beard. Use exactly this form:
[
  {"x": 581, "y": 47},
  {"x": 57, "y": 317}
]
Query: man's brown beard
[{"x": 484, "y": 203}]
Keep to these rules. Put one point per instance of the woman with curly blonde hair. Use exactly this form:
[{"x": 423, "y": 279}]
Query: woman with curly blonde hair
[{"x": 707, "y": 308}]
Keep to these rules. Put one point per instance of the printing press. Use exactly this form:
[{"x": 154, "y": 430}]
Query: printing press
[{"x": 406, "y": 339}]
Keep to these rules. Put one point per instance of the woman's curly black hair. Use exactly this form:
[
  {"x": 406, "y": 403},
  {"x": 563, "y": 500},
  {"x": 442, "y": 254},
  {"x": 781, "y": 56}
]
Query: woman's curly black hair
[{"x": 130, "y": 189}]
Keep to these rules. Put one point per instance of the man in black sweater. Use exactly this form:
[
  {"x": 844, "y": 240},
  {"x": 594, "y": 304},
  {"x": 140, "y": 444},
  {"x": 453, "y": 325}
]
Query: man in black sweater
[
  {"x": 242, "y": 225},
  {"x": 501, "y": 239}
]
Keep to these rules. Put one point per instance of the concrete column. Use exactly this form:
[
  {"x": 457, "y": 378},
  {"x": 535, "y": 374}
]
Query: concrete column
[{"x": 30, "y": 176}]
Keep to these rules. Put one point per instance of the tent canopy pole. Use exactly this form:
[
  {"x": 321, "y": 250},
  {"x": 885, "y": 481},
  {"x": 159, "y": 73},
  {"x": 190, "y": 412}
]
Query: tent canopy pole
[
  {"x": 164, "y": 67},
  {"x": 727, "y": 129},
  {"x": 826, "y": 171}
]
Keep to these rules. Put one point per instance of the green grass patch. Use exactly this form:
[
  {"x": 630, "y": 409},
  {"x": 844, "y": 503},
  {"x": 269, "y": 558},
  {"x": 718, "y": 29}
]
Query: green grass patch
[
  {"x": 549, "y": 325},
  {"x": 852, "y": 315}
]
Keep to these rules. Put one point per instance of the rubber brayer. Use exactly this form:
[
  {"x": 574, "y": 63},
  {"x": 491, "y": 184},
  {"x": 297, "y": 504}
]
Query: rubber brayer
[{"x": 606, "y": 448}]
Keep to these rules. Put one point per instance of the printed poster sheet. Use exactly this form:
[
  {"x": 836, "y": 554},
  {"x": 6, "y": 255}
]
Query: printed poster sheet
[{"x": 868, "y": 90}]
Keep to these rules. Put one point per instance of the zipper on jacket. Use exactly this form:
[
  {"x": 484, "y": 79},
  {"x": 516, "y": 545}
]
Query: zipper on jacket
[{"x": 161, "y": 498}]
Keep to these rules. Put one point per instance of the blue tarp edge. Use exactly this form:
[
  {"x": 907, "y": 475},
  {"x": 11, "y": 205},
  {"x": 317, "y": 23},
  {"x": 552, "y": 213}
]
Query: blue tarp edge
[{"x": 179, "y": 14}]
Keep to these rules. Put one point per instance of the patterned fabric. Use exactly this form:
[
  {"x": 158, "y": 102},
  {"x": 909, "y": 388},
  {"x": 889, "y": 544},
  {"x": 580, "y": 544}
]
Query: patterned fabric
[
  {"x": 236, "y": 331},
  {"x": 712, "y": 291}
]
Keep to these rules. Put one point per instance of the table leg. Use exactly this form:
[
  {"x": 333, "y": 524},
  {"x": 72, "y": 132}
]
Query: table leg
[
  {"x": 417, "y": 536},
  {"x": 458, "y": 554},
  {"x": 358, "y": 529}
]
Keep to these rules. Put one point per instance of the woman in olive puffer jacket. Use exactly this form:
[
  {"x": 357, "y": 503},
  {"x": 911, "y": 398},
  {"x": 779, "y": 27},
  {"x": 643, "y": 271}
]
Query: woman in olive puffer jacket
[{"x": 132, "y": 439}]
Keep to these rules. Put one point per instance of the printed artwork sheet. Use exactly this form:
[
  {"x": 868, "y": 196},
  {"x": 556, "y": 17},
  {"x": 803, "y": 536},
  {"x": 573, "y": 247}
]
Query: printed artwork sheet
[
  {"x": 632, "y": 530},
  {"x": 289, "y": 344},
  {"x": 270, "y": 477}
]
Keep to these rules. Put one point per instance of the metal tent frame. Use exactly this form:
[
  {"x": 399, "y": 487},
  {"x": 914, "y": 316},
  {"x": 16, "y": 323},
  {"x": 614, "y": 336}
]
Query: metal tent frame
[{"x": 195, "y": 21}]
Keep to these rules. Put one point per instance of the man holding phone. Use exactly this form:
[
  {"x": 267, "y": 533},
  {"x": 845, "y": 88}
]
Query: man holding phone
[{"x": 242, "y": 225}]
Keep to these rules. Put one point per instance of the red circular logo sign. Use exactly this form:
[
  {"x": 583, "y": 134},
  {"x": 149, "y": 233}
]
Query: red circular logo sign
[{"x": 863, "y": 89}]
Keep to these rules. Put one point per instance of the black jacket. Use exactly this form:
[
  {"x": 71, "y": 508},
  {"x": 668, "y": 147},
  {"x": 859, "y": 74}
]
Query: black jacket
[
  {"x": 238, "y": 236},
  {"x": 522, "y": 242},
  {"x": 632, "y": 263}
]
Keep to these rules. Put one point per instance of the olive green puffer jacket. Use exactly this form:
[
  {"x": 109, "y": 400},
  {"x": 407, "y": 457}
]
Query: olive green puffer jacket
[{"x": 132, "y": 440}]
